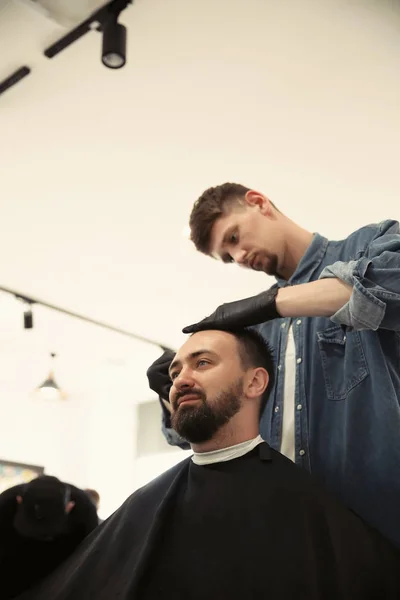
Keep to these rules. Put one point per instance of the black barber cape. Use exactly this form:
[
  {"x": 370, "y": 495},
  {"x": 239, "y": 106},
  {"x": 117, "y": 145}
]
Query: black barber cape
[{"x": 254, "y": 527}]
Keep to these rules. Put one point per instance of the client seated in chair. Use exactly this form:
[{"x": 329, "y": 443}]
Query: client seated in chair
[{"x": 236, "y": 520}]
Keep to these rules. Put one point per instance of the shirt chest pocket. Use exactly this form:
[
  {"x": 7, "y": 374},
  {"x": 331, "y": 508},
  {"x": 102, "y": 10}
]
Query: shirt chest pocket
[{"x": 343, "y": 361}]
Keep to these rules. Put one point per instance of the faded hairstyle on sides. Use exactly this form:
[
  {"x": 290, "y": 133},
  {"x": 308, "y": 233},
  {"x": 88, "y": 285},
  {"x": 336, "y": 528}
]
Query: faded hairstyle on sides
[{"x": 254, "y": 352}]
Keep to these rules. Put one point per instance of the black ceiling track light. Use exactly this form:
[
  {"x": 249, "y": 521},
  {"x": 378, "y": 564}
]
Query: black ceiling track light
[
  {"x": 113, "y": 53},
  {"x": 13, "y": 79},
  {"x": 28, "y": 316},
  {"x": 30, "y": 301},
  {"x": 104, "y": 20}
]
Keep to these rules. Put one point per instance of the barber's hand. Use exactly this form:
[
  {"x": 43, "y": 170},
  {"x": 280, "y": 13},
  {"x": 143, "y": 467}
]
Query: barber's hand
[
  {"x": 240, "y": 314},
  {"x": 157, "y": 374}
]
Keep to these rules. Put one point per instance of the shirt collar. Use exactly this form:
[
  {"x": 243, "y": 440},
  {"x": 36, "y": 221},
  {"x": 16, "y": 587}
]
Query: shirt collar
[{"x": 309, "y": 262}]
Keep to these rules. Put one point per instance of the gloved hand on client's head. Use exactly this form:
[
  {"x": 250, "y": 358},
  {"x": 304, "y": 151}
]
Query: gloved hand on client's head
[
  {"x": 241, "y": 313},
  {"x": 229, "y": 317}
]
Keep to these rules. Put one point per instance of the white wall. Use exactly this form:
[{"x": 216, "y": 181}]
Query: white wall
[
  {"x": 153, "y": 455},
  {"x": 91, "y": 439},
  {"x": 87, "y": 440}
]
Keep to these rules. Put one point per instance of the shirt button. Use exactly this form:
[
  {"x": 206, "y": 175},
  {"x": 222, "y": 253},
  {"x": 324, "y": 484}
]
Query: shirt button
[
  {"x": 283, "y": 325},
  {"x": 302, "y": 452},
  {"x": 299, "y": 322},
  {"x": 299, "y": 360},
  {"x": 276, "y": 409},
  {"x": 299, "y": 407},
  {"x": 279, "y": 367}
]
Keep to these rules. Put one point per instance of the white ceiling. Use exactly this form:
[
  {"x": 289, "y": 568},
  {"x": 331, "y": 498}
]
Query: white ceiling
[{"x": 99, "y": 168}]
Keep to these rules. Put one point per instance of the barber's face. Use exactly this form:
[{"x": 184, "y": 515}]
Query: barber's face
[
  {"x": 207, "y": 385},
  {"x": 250, "y": 236}
]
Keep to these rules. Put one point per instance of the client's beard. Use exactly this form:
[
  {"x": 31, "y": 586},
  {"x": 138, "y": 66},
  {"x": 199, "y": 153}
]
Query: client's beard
[{"x": 199, "y": 423}]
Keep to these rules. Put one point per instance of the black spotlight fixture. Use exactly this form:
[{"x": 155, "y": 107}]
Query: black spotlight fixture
[
  {"x": 28, "y": 315},
  {"x": 104, "y": 20},
  {"x": 113, "y": 53},
  {"x": 28, "y": 318}
]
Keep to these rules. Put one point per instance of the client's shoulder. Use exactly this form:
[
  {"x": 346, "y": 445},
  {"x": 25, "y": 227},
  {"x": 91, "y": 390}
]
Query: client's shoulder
[
  {"x": 162, "y": 484},
  {"x": 285, "y": 470}
]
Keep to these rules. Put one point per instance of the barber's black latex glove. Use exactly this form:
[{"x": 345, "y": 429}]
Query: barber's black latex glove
[
  {"x": 157, "y": 374},
  {"x": 240, "y": 314}
]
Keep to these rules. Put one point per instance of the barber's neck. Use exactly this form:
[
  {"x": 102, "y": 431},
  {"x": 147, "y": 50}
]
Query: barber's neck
[
  {"x": 235, "y": 432},
  {"x": 299, "y": 241}
]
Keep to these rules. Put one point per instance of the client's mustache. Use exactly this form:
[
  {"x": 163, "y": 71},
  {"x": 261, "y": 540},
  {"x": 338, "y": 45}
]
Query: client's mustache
[{"x": 192, "y": 392}]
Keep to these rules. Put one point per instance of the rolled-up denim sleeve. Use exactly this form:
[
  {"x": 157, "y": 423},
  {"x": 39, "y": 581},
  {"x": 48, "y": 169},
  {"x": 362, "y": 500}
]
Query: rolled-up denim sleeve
[
  {"x": 173, "y": 438},
  {"x": 375, "y": 279}
]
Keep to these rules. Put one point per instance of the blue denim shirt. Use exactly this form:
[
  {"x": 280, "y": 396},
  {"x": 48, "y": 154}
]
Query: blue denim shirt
[{"x": 347, "y": 394}]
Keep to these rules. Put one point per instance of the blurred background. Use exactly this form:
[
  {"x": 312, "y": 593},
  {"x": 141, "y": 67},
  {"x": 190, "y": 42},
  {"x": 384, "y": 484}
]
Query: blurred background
[{"x": 299, "y": 99}]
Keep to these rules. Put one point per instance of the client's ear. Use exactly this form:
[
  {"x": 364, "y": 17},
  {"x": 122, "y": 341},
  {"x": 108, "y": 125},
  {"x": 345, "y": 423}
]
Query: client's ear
[
  {"x": 69, "y": 507},
  {"x": 257, "y": 383},
  {"x": 19, "y": 499}
]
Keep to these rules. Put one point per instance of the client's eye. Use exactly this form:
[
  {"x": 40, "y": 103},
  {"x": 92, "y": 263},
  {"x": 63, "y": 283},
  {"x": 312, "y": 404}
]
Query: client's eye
[{"x": 202, "y": 362}]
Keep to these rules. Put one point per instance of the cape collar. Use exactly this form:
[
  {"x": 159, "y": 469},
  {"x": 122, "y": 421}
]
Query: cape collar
[{"x": 225, "y": 454}]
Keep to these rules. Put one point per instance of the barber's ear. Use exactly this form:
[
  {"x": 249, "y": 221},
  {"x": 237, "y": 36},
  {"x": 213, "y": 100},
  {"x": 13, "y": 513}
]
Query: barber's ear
[
  {"x": 69, "y": 507},
  {"x": 19, "y": 499},
  {"x": 254, "y": 198}
]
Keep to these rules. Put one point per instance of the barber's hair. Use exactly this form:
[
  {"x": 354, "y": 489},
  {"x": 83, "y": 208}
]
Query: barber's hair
[
  {"x": 214, "y": 203},
  {"x": 254, "y": 352}
]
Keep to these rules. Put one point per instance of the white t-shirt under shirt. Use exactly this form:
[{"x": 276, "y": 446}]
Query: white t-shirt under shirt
[{"x": 288, "y": 421}]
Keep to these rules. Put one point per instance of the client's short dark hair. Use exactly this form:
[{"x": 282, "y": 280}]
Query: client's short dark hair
[{"x": 254, "y": 351}]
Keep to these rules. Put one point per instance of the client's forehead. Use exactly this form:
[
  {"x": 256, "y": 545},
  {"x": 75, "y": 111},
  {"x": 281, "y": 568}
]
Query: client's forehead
[{"x": 221, "y": 343}]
